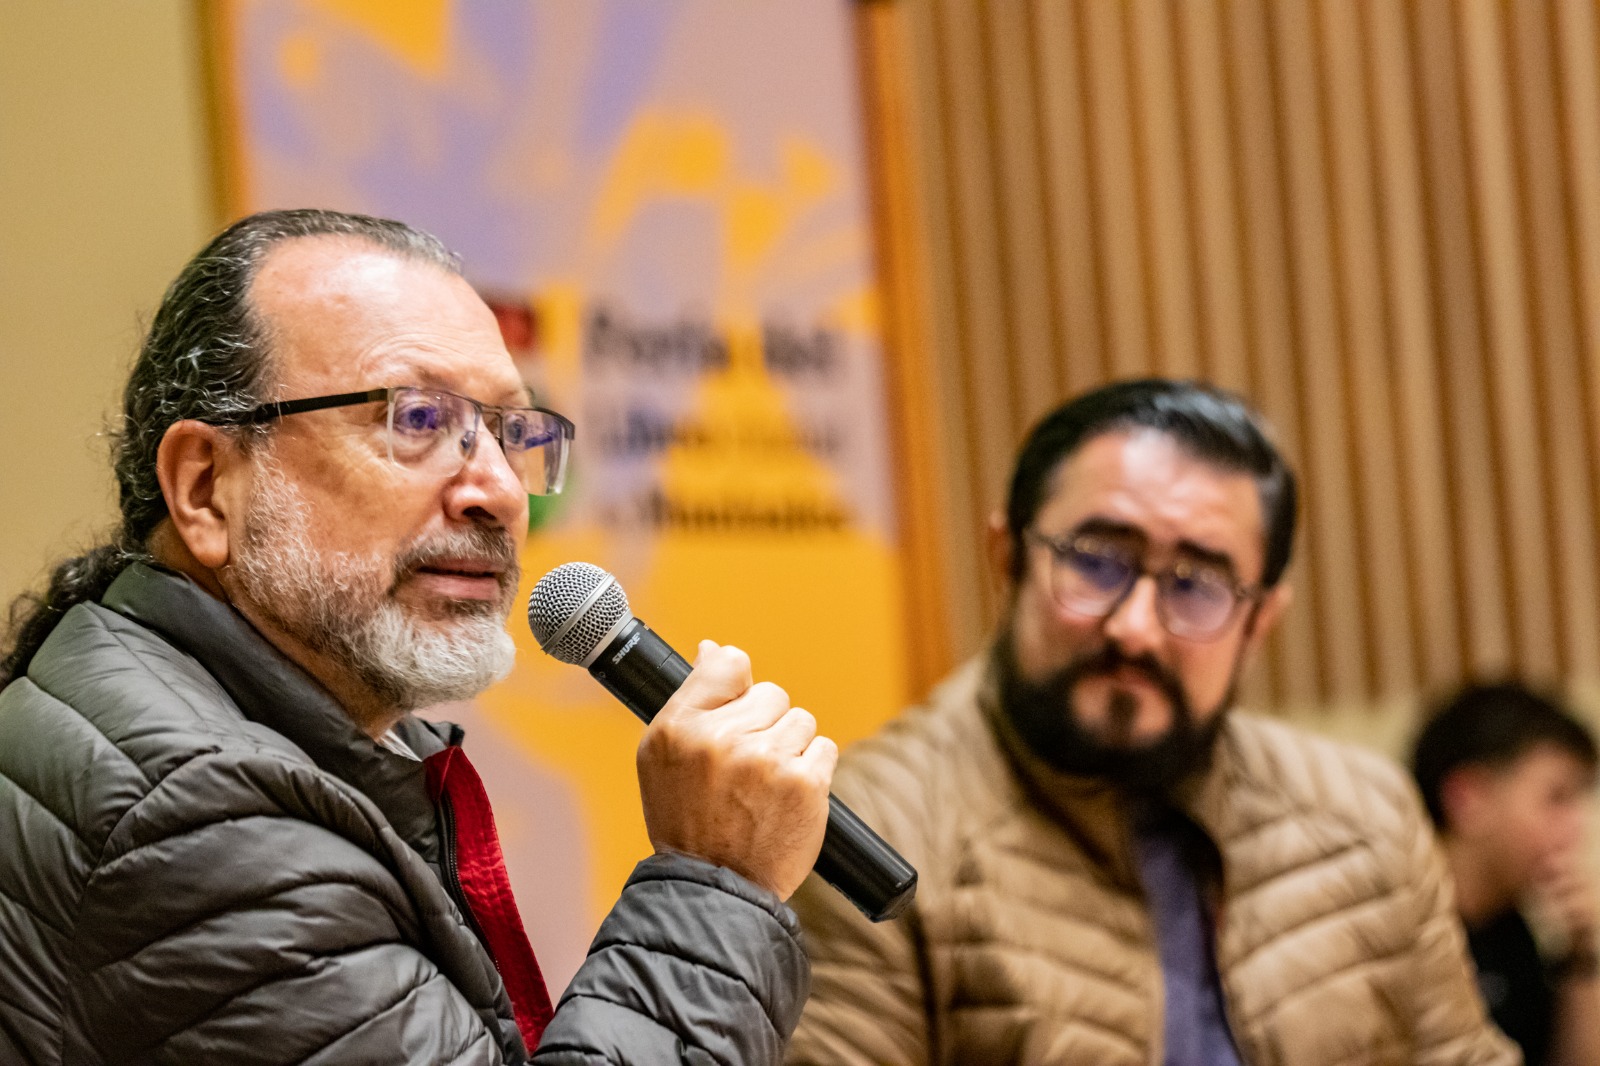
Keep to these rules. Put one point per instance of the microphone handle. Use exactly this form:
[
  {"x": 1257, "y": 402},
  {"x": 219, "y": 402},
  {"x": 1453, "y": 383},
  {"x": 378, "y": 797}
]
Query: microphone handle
[{"x": 642, "y": 670}]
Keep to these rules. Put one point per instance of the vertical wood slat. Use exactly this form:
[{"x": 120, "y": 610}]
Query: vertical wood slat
[
  {"x": 1420, "y": 453},
  {"x": 986, "y": 351},
  {"x": 1559, "y": 413},
  {"x": 1380, "y": 564},
  {"x": 1103, "y": 34},
  {"x": 1460, "y": 355},
  {"x": 968, "y": 606},
  {"x": 1578, "y": 48},
  {"x": 1219, "y": 274},
  {"x": 1158, "y": 124},
  {"x": 1296, "y": 667},
  {"x": 956, "y": 61},
  {"x": 1021, "y": 202},
  {"x": 1330, "y": 504},
  {"x": 1377, "y": 218},
  {"x": 1526, "y": 563},
  {"x": 981, "y": 352},
  {"x": 1069, "y": 192},
  {"x": 893, "y": 147}
]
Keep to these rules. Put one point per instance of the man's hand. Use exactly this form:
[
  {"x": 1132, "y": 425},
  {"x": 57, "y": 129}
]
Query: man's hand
[
  {"x": 732, "y": 774},
  {"x": 1567, "y": 897}
]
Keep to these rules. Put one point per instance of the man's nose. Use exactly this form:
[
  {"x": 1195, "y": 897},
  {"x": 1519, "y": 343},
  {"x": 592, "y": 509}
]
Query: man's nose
[
  {"x": 1135, "y": 623},
  {"x": 487, "y": 486}
]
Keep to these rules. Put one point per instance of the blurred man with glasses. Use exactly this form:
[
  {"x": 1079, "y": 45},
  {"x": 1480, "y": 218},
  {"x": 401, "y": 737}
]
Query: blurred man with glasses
[
  {"x": 1115, "y": 867},
  {"x": 224, "y": 836}
]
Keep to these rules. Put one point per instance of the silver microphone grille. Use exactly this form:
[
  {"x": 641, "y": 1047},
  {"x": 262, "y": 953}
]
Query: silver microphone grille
[{"x": 572, "y": 608}]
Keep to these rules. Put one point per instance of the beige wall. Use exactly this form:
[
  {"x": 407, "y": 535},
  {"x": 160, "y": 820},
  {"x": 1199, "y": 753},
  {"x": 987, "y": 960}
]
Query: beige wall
[{"x": 105, "y": 190}]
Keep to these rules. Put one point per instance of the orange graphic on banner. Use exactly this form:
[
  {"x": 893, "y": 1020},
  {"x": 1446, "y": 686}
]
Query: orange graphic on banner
[{"x": 417, "y": 32}]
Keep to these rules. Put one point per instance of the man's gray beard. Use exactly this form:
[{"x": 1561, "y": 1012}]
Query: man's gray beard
[{"x": 341, "y": 604}]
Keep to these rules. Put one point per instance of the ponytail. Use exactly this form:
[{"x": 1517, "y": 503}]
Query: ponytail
[{"x": 33, "y": 615}]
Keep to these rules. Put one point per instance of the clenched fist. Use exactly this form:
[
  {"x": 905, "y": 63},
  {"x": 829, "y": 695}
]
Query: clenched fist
[
  {"x": 1567, "y": 897},
  {"x": 732, "y": 774}
]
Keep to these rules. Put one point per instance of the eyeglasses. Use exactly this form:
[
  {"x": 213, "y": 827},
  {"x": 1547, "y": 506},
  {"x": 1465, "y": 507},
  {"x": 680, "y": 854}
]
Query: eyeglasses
[
  {"x": 1091, "y": 575},
  {"x": 435, "y": 432}
]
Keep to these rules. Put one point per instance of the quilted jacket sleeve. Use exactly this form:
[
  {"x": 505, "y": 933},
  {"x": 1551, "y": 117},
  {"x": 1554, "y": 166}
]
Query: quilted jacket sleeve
[
  {"x": 252, "y": 935},
  {"x": 867, "y": 1005},
  {"x": 869, "y": 998},
  {"x": 693, "y": 965},
  {"x": 1447, "y": 1016}
]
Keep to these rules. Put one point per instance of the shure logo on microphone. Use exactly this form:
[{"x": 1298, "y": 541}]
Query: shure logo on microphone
[{"x": 626, "y": 648}]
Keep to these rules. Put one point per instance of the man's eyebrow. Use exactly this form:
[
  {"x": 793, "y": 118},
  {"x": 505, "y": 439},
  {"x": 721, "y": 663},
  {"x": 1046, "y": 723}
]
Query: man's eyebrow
[
  {"x": 1211, "y": 556},
  {"x": 1101, "y": 526},
  {"x": 413, "y": 374},
  {"x": 523, "y": 396}
]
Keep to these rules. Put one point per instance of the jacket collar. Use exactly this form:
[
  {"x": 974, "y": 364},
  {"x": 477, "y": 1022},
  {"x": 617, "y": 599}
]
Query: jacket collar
[
  {"x": 1096, "y": 812},
  {"x": 271, "y": 690}
]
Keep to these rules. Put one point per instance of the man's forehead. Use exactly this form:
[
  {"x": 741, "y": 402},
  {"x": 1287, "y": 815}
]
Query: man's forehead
[
  {"x": 1549, "y": 760},
  {"x": 337, "y": 308},
  {"x": 1150, "y": 481},
  {"x": 325, "y": 269}
]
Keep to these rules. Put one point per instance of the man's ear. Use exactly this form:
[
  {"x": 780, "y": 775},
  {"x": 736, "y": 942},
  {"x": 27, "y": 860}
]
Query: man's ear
[
  {"x": 1274, "y": 602},
  {"x": 193, "y": 462},
  {"x": 1466, "y": 796},
  {"x": 998, "y": 547}
]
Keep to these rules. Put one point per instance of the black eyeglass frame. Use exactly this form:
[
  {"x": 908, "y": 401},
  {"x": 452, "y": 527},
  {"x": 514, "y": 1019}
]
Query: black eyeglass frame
[
  {"x": 275, "y": 409},
  {"x": 267, "y": 412},
  {"x": 1059, "y": 547}
]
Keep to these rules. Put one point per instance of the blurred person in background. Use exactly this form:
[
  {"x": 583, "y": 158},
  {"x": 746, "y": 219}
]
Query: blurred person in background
[
  {"x": 224, "y": 835},
  {"x": 1116, "y": 869},
  {"x": 1507, "y": 774}
]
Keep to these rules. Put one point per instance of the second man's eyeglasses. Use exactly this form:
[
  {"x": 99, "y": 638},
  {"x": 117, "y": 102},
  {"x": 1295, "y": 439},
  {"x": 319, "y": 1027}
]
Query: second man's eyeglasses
[{"x": 1091, "y": 574}]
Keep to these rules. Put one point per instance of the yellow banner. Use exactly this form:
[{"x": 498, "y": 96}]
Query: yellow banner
[{"x": 665, "y": 204}]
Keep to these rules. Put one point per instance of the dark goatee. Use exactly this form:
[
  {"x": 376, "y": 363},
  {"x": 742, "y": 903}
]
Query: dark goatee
[{"x": 1043, "y": 714}]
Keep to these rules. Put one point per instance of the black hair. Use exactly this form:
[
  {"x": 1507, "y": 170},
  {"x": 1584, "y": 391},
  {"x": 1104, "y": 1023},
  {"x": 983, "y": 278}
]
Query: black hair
[
  {"x": 1211, "y": 424},
  {"x": 1492, "y": 725},
  {"x": 204, "y": 357}
]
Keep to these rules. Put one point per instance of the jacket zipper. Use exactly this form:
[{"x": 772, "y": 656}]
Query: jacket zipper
[
  {"x": 452, "y": 887},
  {"x": 452, "y": 873},
  {"x": 1239, "y": 1044},
  {"x": 1219, "y": 918}
]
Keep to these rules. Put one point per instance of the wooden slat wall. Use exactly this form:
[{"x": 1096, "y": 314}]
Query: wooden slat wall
[{"x": 1378, "y": 219}]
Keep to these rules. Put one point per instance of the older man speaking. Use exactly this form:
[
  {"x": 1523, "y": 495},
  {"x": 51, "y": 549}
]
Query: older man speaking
[{"x": 223, "y": 835}]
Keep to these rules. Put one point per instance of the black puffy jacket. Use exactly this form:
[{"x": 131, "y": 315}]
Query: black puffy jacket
[{"x": 202, "y": 860}]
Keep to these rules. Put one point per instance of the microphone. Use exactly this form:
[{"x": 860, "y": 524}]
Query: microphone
[{"x": 579, "y": 614}]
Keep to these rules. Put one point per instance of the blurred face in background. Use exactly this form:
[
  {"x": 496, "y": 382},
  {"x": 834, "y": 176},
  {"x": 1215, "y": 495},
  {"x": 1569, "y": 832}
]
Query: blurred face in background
[
  {"x": 1114, "y": 691},
  {"x": 1524, "y": 819}
]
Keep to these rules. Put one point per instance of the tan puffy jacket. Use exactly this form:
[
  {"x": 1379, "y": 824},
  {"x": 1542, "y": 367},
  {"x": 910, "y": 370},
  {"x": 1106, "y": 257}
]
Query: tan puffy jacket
[{"x": 1029, "y": 941}]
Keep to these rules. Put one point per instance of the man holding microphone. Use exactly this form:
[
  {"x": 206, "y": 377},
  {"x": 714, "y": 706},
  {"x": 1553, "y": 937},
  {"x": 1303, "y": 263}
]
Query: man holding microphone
[{"x": 223, "y": 834}]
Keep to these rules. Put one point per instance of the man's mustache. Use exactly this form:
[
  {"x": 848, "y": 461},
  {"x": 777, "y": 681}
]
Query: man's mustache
[
  {"x": 491, "y": 545},
  {"x": 1110, "y": 658}
]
